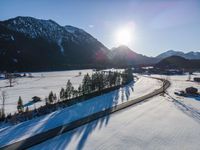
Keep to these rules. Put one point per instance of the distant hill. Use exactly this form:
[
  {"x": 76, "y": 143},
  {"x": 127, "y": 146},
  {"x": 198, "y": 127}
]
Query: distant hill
[
  {"x": 123, "y": 56},
  {"x": 28, "y": 44},
  {"x": 179, "y": 63},
  {"x": 189, "y": 55}
]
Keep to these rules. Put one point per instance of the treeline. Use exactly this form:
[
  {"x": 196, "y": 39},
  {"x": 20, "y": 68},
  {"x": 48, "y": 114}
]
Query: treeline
[
  {"x": 96, "y": 82},
  {"x": 92, "y": 85}
]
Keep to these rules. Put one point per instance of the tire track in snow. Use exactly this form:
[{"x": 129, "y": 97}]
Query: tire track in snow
[{"x": 190, "y": 111}]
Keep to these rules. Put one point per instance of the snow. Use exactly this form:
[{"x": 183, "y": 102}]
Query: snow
[
  {"x": 40, "y": 85},
  {"x": 60, "y": 45},
  {"x": 70, "y": 29},
  {"x": 163, "y": 122},
  {"x": 180, "y": 83},
  {"x": 32, "y": 127},
  {"x": 37, "y": 28},
  {"x": 12, "y": 38},
  {"x": 153, "y": 125}
]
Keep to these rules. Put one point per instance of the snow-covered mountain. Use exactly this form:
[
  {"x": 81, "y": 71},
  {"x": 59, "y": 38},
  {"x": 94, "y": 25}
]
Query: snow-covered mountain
[
  {"x": 27, "y": 42},
  {"x": 192, "y": 55},
  {"x": 189, "y": 55},
  {"x": 48, "y": 29}
]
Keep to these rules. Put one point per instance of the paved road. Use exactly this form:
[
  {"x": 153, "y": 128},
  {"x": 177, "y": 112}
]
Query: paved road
[{"x": 39, "y": 138}]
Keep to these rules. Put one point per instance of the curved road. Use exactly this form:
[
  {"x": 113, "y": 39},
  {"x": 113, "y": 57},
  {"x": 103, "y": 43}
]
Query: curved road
[{"x": 39, "y": 138}]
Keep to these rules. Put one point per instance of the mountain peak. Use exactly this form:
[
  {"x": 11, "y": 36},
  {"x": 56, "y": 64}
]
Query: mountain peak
[
  {"x": 189, "y": 55},
  {"x": 122, "y": 48},
  {"x": 51, "y": 44},
  {"x": 123, "y": 56},
  {"x": 34, "y": 28}
]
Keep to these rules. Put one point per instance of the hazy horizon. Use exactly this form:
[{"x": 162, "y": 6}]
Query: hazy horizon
[{"x": 155, "y": 26}]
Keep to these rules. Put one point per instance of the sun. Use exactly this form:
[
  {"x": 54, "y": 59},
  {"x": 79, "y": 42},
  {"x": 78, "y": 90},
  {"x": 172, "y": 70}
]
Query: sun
[{"x": 124, "y": 36}]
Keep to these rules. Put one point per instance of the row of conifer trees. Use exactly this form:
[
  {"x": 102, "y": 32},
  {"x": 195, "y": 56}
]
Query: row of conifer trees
[
  {"x": 92, "y": 83},
  {"x": 95, "y": 82}
]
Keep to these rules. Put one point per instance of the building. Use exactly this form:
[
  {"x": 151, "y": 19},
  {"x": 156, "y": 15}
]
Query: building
[{"x": 197, "y": 79}]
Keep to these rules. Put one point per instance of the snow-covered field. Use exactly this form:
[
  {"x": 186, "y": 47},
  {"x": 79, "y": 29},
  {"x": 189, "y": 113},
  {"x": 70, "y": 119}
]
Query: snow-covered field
[
  {"x": 32, "y": 127},
  {"x": 180, "y": 83},
  {"x": 163, "y": 122},
  {"x": 40, "y": 85},
  {"x": 153, "y": 125}
]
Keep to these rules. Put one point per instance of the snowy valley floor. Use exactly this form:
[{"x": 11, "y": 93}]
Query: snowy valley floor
[
  {"x": 155, "y": 124},
  {"x": 163, "y": 122},
  {"x": 40, "y": 85},
  {"x": 26, "y": 129}
]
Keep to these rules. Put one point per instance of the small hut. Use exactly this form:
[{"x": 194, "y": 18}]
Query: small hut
[{"x": 191, "y": 90}]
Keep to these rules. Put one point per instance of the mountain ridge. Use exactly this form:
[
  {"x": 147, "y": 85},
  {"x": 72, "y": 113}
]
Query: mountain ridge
[
  {"x": 123, "y": 56},
  {"x": 188, "y": 55},
  {"x": 178, "y": 62},
  {"x": 47, "y": 42},
  {"x": 28, "y": 44}
]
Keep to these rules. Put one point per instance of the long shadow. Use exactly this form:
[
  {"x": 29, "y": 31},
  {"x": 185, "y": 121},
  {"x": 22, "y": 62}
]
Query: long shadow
[
  {"x": 6, "y": 86},
  {"x": 190, "y": 111},
  {"x": 195, "y": 97},
  {"x": 82, "y": 133},
  {"x": 29, "y": 103},
  {"x": 41, "y": 124},
  {"x": 87, "y": 129},
  {"x": 20, "y": 130}
]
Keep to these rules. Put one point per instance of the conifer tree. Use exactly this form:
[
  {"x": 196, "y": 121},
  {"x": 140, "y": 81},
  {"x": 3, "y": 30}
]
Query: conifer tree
[
  {"x": 54, "y": 97},
  {"x": 100, "y": 81},
  {"x": 62, "y": 93},
  {"x": 27, "y": 109},
  {"x": 51, "y": 97},
  {"x": 72, "y": 92},
  {"x": 86, "y": 84},
  {"x": 20, "y": 105},
  {"x": 68, "y": 91},
  {"x": 80, "y": 90}
]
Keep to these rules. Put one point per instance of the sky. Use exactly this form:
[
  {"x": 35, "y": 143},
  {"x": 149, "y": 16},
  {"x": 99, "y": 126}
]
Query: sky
[{"x": 154, "y": 26}]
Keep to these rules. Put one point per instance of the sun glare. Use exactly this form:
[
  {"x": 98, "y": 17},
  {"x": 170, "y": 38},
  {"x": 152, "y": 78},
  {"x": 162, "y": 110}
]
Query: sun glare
[{"x": 124, "y": 36}]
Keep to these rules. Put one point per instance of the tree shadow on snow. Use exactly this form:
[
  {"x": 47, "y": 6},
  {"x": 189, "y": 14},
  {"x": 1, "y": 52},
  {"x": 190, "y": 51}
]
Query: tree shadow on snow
[
  {"x": 195, "y": 97},
  {"x": 80, "y": 135}
]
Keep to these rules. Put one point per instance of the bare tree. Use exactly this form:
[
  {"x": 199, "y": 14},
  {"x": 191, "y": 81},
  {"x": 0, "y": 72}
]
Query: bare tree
[
  {"x": 11, "y": 79},
  {"x": 3, "y": 98}
]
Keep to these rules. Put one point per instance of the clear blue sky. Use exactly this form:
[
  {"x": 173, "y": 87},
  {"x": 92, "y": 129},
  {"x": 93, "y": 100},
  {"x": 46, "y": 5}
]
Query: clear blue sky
[{"x": 159, "y": 25}]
